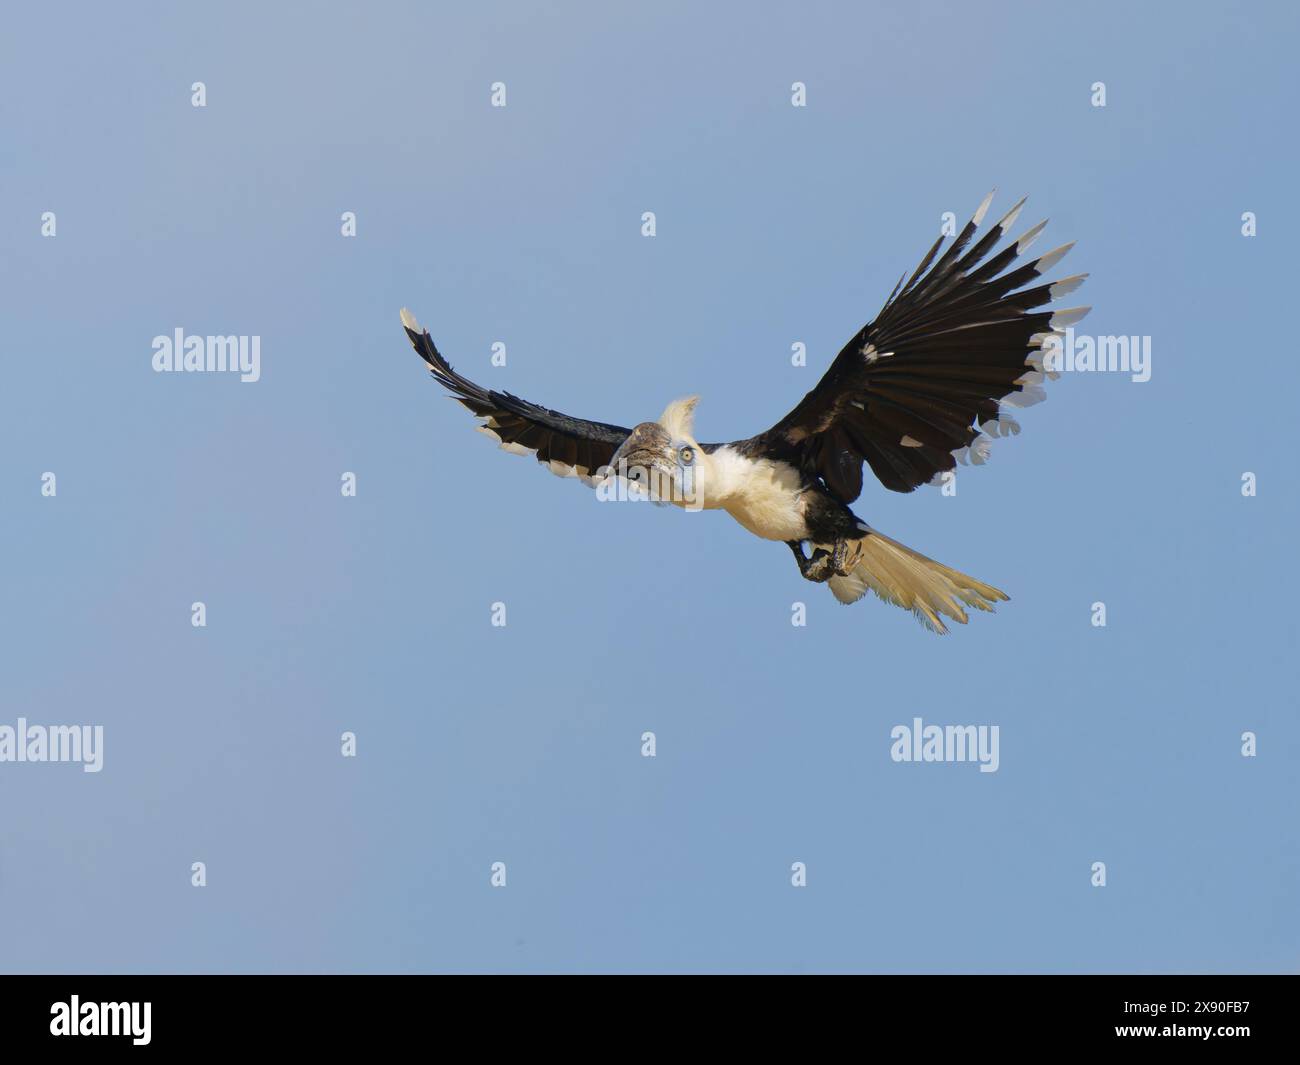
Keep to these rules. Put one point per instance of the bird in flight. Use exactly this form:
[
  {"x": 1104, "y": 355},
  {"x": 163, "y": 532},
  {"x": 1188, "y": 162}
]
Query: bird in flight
[{"x": 923, "y": 386}]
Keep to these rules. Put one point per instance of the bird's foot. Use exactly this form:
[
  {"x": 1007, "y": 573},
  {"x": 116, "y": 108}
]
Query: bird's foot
[
  {"x": 819, "y": 568},
  {"x": 823, "y": 564}
]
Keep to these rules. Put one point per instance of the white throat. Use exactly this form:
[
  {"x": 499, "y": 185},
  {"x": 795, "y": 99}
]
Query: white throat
[{"x": 763, "y": 495}]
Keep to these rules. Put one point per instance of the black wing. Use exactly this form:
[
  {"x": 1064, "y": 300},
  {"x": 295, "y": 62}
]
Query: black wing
[
  {"x": 570, "y": 446},
  {"x": 949, "y": 349}
]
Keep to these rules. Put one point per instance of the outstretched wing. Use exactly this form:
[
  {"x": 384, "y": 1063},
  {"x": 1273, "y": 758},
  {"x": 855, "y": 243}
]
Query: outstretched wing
[
  {"x": 950, "y": 350},
  {"x": 571, "y": 447}
]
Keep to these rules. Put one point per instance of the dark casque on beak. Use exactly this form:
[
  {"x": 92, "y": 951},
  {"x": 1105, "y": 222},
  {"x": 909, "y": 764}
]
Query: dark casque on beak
[{"x": 648, "y": 448}]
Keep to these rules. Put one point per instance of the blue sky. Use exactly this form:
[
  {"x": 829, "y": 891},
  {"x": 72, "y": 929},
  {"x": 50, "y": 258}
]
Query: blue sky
[{"x": 522, "y": 744}]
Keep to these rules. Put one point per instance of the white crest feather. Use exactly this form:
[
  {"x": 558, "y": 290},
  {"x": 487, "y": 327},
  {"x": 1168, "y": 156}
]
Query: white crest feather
[{"x": 679, "y": 418}]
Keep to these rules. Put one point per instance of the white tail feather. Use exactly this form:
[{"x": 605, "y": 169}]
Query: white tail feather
[{"x": 906, "y": 578}]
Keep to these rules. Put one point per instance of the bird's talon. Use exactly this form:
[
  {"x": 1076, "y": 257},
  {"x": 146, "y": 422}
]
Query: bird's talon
[
  {"x": 841, "y": 558},
  {"x": 819, "y": 568}
]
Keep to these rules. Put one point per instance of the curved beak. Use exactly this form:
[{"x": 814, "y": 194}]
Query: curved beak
[{"x": 648, "y": 450}]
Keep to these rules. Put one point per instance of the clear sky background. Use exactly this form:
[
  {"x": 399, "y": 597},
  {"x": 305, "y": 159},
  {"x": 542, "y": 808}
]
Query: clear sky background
[{"x": 522, "y": 744}]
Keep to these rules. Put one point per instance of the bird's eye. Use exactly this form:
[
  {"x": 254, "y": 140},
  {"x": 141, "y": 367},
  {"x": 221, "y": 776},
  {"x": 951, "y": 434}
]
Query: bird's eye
[{"x": 687, "y": 455}]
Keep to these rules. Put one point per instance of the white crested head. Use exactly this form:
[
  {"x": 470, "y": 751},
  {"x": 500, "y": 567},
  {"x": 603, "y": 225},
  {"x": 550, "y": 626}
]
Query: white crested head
[{"x": 679, "y": 418}]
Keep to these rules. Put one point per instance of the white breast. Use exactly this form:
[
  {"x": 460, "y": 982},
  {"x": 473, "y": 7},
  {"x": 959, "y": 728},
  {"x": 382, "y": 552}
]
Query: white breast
[{"x": 763, "y": 495}]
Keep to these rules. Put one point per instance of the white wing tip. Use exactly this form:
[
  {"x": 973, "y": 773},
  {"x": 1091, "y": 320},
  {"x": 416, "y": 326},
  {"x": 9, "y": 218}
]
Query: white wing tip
[
  {"x": 408, "y": 320},
  {"x": 1029, "y": 236},
  {"x": 1009, "y": 219},
  {"x": 1070, "y": 316},
  {"x": 1052, "y": 258},
  {"x": 984, "y": 208},
  {"x": 1066, "y": 285}
]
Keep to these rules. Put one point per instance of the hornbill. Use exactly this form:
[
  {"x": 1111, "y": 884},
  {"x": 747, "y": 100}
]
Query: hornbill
[{"x": 923, "y": 386}]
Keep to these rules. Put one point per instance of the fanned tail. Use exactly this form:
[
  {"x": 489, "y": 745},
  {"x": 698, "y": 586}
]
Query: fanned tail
[{"x": 906, "y": 578}]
